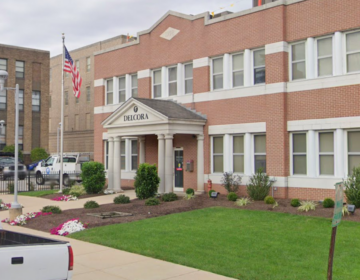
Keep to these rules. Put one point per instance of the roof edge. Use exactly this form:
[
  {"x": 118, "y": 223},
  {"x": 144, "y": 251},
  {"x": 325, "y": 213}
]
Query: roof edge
[{"x": 23, "y": 48}]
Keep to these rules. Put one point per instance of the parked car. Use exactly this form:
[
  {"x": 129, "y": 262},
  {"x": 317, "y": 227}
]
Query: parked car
[
  {"x": 9, "y": 171},
  {"x": 7, "y": 161}
]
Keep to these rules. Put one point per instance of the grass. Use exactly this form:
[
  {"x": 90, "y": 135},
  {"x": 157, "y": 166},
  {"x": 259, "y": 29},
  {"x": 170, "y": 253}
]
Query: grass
[
  {"x": 38, "y": 193},
  {"x": 242, "y": 244}
]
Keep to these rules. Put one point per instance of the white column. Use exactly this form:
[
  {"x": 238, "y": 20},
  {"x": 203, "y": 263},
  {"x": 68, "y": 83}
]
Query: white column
[
  {"x": 117, "y": 165},
  {"x": 338, "y": 54},
  {"x": 110, "y": 171},
  {"x": 339, "y": 154},
  {"x": 200, "y": 163},
  {"x": 164, "y": 82},
  {"x": 310, "y": 58},
  {"x": 161, "y": 162},
  {"x": 247, "y": 68},
  {"x": 127, "y": 86},
  {"x": 226, "y": 71},
  {"x": 168, "y": 163},
  {"x": 311, "y": 154},
  {"x": 247, "y": 154},
  {"x": 180, "y": 79},
  {"x": 142, "y": 150},
  {"x": 226, "y": 148}
]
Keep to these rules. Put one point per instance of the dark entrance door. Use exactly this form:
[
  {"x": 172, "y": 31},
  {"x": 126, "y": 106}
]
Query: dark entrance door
[{"x": 179, "y": 170}]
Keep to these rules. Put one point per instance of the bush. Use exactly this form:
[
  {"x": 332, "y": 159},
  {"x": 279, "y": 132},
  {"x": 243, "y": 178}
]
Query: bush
[
  {"x": 77, "y": 190},
  {"x": 52, "y": 209},
  {"x": 66, "y": 191},
  {"x": 93, "y": 176},
  {"x": 10, "y": 187},
  {"x": 91, "y": 204},
  {"x": 189, "y": 196},
  {"x": 38, "y": 154},
  {"x": 232, "y": 196},
  {"x": 169, "y": 197},
  {"x": 230, "y": 182},
  {"x": 269, "y": 200},
  {"x": 295, "y": 202},
  {"x": 11, "y": 149},
  {"x": 242, "y": 201},
  {"x": 146, "y": 181},
  {"x": 307, "y": 205},
  {"x": 352, "y": 187},
  {"x": 121, "y": 199},
  {"x": 259, "y": 185},
  {"x": 190, "y": 191},
  {"x": 152, "y": 201},
  {"x": 210, "y": 192},
  {"x": 328, "y": 203}
]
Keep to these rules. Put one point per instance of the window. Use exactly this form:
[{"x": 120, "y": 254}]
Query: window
[
  {"x": 238, "y": 154},
  {"x": 298, "y": 66},
  {"x": 88, "y": 94},
  {"x": 77, "y": 64},
  {"x": 259, "y": 67},
  {"x": 134, "y": 154},
  {"x": 36, "y": 101},
  {"x": 3, "y": 94},
  {"x": 88, "y": 64},
  {"x": 88, "y": 121},
  {"x": 76, "y": 122},
  {"x": 134, "y": 85},
  {"x": 326, "y": 153},
  {"x": 21, "y": 135},
  {"x": 157, "y": 83},
  {"x": 3, "y": 64},
  {"x": 66, "y": 98},
  {"x": 2, "y": 137},
  {"x": 324, "y": 57},
  {"x": 109, "y": 92},
  {"x": 188, "y": 78},
  {"x": 122, "y": 89},
  {"x": 260, "y": 152},
  {"x": 353, "y": 150},
  {"x": 123, "y": 154},
  {"x": 238, "y": 70},
  {"x": 299, "y": 154},
  {"x": 21, "y": 99},
  {"x": 218, "y": 155},
  {"x": 217, "y": 68},
  {"x": 172, "y": 78},
  {"x": 353, "y": 52},
  {"x": 77, "y": 100},
  {"x": 20, "y": 69}
]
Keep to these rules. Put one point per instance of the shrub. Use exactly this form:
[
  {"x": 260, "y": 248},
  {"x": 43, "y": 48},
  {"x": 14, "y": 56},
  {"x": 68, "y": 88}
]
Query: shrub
[
  {"x": 169, "y": 197},
  {"x": 269, "y": 200},
  {"x": 52, "y": 209},
  {"x": 11, "y": 149},
  {"x": 121, "y": 199},
  {"x": 152, "y": 201},
  {"x": 295, "y": 202},
  {"x": 66, "y": 191},
  {"x": 38, "y": 154},
  {"x": 307, "y": 205},
  {"x": 77, "y": 190},
  {"x": 10, "y": 187},
  {"x": 328, "y": 203},
  {"x": 91, "y": 204},
  {"x": 242, "y": 201},
  {"x": 146, "y": 181},
  {"x": 190, "y": 191},
  {"x": 189, "y": 196},
  {"x": 352, "y": 187},
  {"x": 210, "y": 192},
  {"x": 259, "y": 185},
  {"x": 93, "y": 176},
  {"x": 230, "y": 182},
  {"x": 232, "y": 196}
]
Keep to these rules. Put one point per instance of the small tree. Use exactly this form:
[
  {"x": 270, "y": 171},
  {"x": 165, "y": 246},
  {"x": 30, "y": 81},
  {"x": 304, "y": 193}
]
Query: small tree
[
  {"x": 11, "y": 149},
  {"x": 146, "y": 181},
  {"x": 352, "y": 187},
  {"x": 38, "y": 154},
  {"x": 93, "y": 176},
  {"x": 230, "y": 182},
  {"x": 259, "y": 185}
]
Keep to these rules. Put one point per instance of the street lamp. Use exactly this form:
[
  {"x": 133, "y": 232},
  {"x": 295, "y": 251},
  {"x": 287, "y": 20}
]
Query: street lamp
[{"x": 16, "y": 208}]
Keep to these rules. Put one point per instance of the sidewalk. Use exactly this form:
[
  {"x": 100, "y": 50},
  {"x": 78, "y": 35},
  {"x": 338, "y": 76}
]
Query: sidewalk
[{"x": 93, "y": 262}]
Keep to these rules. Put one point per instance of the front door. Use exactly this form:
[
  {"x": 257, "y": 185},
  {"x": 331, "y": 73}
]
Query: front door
[{"x": 179, "y": 170}]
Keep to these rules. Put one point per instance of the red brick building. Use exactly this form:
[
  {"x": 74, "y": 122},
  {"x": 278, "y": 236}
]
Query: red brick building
[{"x": 275, "y": 86}]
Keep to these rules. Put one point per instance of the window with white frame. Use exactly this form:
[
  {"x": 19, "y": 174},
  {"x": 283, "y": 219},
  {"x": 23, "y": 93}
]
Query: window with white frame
[
  {"x": 353, "y": 52},
  {"x": 218, "y": 154},
  {"x": 217, "y": 73},
  {"x": 3, "y": 64},
  {"x": 21, "y": 136},
  {"x": 122, "y": 89},
  {"x": 238, "y": 70},
  {"x": 260, "y": 152},
  {"x": 188, "y": 78},
  {"x": 88, "y": 64},
  {"x": 3, "y": 95},
  {"x": 21, "y": 99},
  {"x": 109, "y": 92},
  {"x": 298, "y": 64},
  {"x": 36, "y": 101},
  {"x": 326, "y": 153},
  {"x": 259, "y": 66},
  {"x": 123, "y": 154},
  {"x": 157, "y": 83},
  {"x": 19, "y": 69},
  {"x": 238, "y": 154},
  {"x": 134, "y": 154},
  {"x": 299, "y": 166},
  {"x": 134, "y": 85},
  {"x": 353, "y": 150},
  {"x": 324, "y": 57},
  {"x": 172, "y": 80}
]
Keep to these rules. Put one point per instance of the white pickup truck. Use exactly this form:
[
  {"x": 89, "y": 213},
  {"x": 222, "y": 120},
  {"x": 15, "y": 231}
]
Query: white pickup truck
[
  {"x": 24, "y": 256},
  {"x": 48, "y": 170}
]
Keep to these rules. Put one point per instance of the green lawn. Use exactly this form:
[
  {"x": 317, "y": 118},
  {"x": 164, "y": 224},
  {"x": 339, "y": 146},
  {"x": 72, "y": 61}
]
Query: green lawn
[
  {"x": 38, "y": 193},
  {"x": 239, "y": 243}
]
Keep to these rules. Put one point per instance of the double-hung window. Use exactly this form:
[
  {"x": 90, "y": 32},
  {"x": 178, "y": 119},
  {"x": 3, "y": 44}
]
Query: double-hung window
[
  {"x": 134, "y": 85},
  {"x": 298, "y": 65},
  {"x": 36, "y": 101},
  {"x": 238, "y": 154},
  {"x": 324, "y": 57},
  {"x": 238, "y": 70},
  {"x": 134, "y": 154},
  {"x": 88, "y": 64},
  {"x": 3, "y": 94},
  {"x": 260, "y": 153},
  {"x": 77, "y": 64},
  {"x": 88, "y": 94},
  {"x": 66, "y": 98},
  {"x": 3, "y": 64},
  {"x": 123, "y": 154},
  {"x": 353, "y": 52},
  {"x": 157, "y": 83},
  {"x": 188, "y": 78},
  {"x": 217, "y": 73},
  {"x": 20, "y": 69},
  {"x": 326, "y": 153},
  {"x": 259, "y": 66},
  {"x": 218, "y": 154},
  {"x": 353, "y": 150},
  {"x": 21, "y": 100},
  {"x": 122, "y": 89},
  {"x": 172, "y": 78},
  {"x": 109, "y": 92},
  {"x": 2, "y": 137},
  {"x": 299, "y": 154}
]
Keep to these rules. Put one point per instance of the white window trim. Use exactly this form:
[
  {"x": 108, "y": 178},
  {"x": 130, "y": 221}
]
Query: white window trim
[
  {"x": 291, "y": 146},
  {"x": 232, "y": 70},
  {"x": 131, "y": 154},
  {"x": 168, "y": 82},
  {"x": 153, "y": 83},
  {"x": 317, "y": 57},
  {"x": 253, "y": 154},
  {"x": 253, "y": 67},
  {"x": 186, "y": 79},
  {"x": 123, "y": 89},
  {"x": 318, "y": 154},
  {"x": 212, "y": 153},
  {"x": 212, "y": 73},
  {"x": 106, "y": 92},
  {"x": 291, "y": 62},
  {"x": 232, "y": 154},
  {"x": 347, "y": 150},
  {"x": 345, "y": 52},
  {"x": 88, "y": 65},
  {"x": 131, "y": 84}
]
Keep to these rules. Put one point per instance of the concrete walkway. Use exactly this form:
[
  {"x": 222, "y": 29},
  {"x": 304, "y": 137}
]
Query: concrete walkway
[{"x": 94, "y": 262}]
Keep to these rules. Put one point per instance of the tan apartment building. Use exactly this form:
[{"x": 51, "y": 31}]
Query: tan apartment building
[
  {"x": 30, "y": 69},
  {"x": 78, "y": 112}
]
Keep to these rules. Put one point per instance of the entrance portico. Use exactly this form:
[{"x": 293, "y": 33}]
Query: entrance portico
[{"x": 140, "y": 117}]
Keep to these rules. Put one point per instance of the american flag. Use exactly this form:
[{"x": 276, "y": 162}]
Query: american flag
[{"x": 70, "y": 67}]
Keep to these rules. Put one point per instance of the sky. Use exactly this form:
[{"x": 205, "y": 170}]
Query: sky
[{"x": 39, "y": 24}]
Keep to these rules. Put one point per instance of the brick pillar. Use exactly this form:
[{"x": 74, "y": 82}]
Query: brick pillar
[
  {"x": 201, "y": 80},
  {"x": 144, "y": 87}
]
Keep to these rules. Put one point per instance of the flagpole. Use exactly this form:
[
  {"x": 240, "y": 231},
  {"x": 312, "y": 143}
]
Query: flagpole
[{"x": 62, "y": 115}]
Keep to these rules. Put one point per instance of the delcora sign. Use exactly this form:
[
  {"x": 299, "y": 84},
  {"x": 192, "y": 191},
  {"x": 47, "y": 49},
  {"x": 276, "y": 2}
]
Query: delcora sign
[{"x": 136, "y": 116}]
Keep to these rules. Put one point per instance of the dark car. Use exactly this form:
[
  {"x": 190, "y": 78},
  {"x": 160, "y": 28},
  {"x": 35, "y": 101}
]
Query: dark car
[{"x": 7, "y": 166}]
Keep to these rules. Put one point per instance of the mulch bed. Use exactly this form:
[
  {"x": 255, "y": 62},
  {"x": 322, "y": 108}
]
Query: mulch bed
[{"x": 140, "y": 211}]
